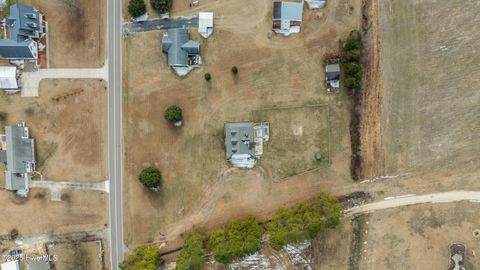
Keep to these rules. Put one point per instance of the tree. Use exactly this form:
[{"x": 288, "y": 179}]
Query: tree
[
  {"x": 173, "y": 114},
  {"x": 303, "y": 221},
  {"x": 192, "y": 255},
  {"x": 234, "y": 70},
  {"x": 208, "y": 77},
  {"x": 150, "y": 177},
  {"x": 352, "y": 83},
  {"x": 161, "y": 6},
  {"x": 236, "y": 240},
  {"x": 143, "y": 258},
  {"x": 137, "y": 8},
  {"x": 354, "y": 41},
  {"x": 352, "y": 55},
  {"x": 353, "y": 70}
]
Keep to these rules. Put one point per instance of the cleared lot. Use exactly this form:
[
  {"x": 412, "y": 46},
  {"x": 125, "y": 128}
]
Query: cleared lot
[
  {"x": 68, "y": 122},
  {"x": 431, "y": 102},
  {"x": 78, "y": 211},
  {"x": 417, "y": 237},
  {"x": 76, "y": 31},
  {"x": 198, "y": 185},
  {"x": 77, "y": 255}
]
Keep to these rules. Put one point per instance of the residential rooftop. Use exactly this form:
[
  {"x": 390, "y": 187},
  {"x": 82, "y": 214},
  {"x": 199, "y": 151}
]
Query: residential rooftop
[{"x": 19, "y": 156}]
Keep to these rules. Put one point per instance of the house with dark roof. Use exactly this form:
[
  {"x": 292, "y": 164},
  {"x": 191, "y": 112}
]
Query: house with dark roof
[
  {"x": 183, "y": 54},
  {"x": 287, "y": 17},
  {"x": 332, "y": 76},
  {"x": 244, "y": 142},
  {"x": 18, "y": 154},
  {"x": 23, "y": 29}
]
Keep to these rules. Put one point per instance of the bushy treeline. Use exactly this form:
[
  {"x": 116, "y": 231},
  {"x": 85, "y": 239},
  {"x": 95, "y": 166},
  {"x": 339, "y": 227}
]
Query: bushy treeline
[
  {"x": 240, "y": 238},
  {"x": 303, "y": 221},
  {"x": 352, "y": 52}
]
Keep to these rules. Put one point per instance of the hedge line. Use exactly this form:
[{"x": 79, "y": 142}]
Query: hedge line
[
  {"x": 241, "y": 238},
  {"x": 351, "y": 56}
]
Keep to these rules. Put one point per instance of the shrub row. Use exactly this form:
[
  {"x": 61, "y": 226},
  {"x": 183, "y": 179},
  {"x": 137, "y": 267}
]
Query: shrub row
[
  {"x": 351, "y": 56},
  {"x": 241, "y": 238},
  {"x": 303, "y": 221},
  {"x": 137, "y": 8}
]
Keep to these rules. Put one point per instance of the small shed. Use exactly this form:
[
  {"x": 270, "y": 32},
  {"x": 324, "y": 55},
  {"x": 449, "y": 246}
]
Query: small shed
[
  {"x": 332, "y": 75},
  {"x": 316, "y": 4},
  {"x": 205, "y": 24}
]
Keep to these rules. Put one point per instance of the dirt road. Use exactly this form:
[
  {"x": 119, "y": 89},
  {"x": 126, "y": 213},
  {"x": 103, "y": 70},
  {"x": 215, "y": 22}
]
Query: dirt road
[{"x": 411, "y": 199}]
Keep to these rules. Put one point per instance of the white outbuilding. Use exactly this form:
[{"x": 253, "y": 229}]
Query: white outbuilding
[
  {"x": 10, "y": 265},
  {"x": 8, "y": 78},
  {"x": 316, "y": 4},
  {"x": 205, "y": 24}
]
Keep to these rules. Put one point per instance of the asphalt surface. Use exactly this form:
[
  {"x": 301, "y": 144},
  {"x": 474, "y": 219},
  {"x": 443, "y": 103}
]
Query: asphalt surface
[
  {"x": 114, "y": 26},
  {"x": 160, "y": 24}
]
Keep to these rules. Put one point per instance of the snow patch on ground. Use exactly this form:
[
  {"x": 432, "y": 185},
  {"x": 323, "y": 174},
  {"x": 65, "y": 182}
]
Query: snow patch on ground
[{"x": 294, "y": 256}]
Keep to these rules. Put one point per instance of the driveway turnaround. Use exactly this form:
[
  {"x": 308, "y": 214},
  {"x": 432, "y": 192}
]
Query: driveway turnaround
[{"x": 31, "y": 80}]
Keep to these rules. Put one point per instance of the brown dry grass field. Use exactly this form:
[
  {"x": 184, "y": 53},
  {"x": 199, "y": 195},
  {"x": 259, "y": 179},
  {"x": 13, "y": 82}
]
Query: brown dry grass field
[
  {"x": 76, "y": 36},
  {"x": 79, "y": 210},
  {"x": 431, "y": 102},
  {"x": 70, "y": 134},
  {"x": 296, "y": 134},
  {"x": 199, "y": 187},
  {"x": 77, "y": 255},
  {"x": 417, "y": 237}
]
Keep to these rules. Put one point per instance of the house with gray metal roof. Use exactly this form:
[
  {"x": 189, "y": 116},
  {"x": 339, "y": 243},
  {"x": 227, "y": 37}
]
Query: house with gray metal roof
[
  {"x": 332, "y": 76},
  {"x": 23, "y": 28},
  {"x": 287, "y": 17},
  {"x": 18, "y": 154},
  {"x": 183, "y": 54},
  {"x": 244, "y": 142}
]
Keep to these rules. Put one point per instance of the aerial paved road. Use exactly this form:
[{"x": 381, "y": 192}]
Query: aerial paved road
[{"x": 114, "y": 28}]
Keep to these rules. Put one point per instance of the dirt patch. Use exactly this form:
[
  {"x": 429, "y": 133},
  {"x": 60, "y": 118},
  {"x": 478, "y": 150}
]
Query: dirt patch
[
  {"x": 77, "y": 255},
  {"x": 86, "y": 210},
  {"x": 68, "y": 122},
  {"x": 406, "y": 236},
  {"x": 76, "y": 31},
  {"x": 199, "y": 187},
  {"x": 331, "y": 249}
]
